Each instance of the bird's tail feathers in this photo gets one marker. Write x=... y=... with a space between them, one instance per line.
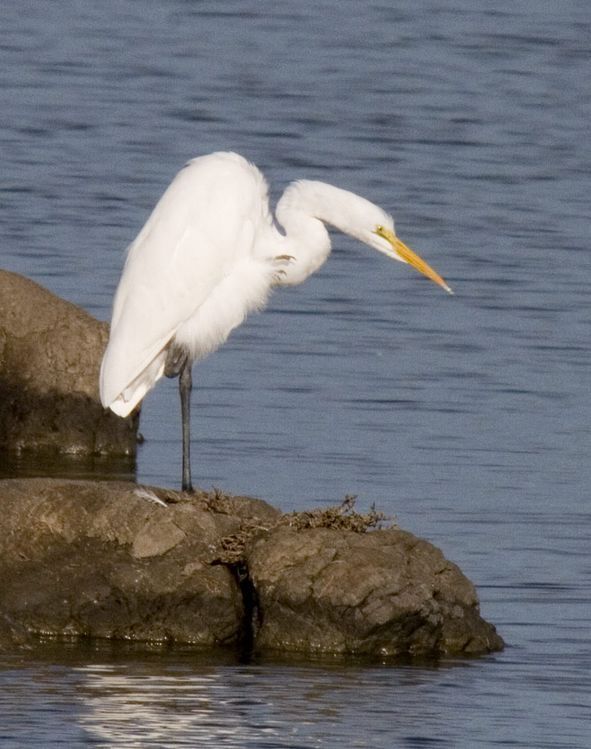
x=131 y=395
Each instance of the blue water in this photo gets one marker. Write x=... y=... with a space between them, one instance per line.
x=466 y=417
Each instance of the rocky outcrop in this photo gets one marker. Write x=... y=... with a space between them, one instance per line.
x=113 y=560
x=50 y=354
x=385 y=593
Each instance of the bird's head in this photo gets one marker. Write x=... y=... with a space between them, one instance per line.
x=351 y=214
x=383 y=238
x=375 y=227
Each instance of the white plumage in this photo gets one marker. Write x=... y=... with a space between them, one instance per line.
x=210 y=253
x=192 y=273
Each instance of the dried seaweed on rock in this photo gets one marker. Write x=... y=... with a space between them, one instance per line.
x=342 y=517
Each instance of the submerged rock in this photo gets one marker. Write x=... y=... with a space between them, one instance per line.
x=112 y=560
x=50 y=354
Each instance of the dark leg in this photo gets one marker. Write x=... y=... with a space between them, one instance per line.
x=185 y=386
x=178 y=364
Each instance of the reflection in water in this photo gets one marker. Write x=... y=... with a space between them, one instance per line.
x=187 y=701
x=30 y=464
x=108 y=696
x=152 y=709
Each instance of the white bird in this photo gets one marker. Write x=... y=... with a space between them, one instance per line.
x=209 y=254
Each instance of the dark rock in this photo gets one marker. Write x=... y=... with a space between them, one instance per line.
x=13 y=634
x=50 y=354
x=383 y=593
x=94 y=559
x=109 y=560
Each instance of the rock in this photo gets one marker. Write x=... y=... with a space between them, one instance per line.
x=50 y=354
x=13 y=634
x=385 y=593
x=94 y=559
x=113 y=560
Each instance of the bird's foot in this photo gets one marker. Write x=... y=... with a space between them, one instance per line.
x=280 y=262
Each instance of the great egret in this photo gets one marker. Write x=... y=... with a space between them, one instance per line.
x=208 y=255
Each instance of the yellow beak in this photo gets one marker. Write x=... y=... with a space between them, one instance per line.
x=411 y=257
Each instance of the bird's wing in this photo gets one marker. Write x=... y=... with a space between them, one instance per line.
x=153 y=299
x=189 y=243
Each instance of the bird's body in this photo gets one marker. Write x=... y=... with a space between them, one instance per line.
x=209 y=254
x=192 y=274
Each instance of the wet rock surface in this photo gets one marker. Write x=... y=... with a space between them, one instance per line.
x=50 y=354
x=113 y=560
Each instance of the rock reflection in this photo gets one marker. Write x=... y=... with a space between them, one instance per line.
x=78 y=467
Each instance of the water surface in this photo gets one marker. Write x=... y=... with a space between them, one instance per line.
x=466 y=417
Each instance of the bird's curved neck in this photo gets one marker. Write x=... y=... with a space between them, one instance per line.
x=302 y=211
x=306 y=239
x=316 y=200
